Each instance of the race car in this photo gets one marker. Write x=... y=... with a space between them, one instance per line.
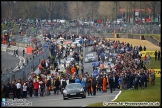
x=89 y=58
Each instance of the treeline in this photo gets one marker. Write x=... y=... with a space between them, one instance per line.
x=80 y=10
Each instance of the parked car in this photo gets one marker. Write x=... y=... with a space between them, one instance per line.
x=74 y=90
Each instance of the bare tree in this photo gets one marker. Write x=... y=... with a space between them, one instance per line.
x=106 y=9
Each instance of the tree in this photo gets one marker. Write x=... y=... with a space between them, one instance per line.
x=106 y=10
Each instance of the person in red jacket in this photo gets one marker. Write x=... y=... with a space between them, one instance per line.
x=36 y=87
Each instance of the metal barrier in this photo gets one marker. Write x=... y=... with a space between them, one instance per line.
x=153 y=40
x=25 y=71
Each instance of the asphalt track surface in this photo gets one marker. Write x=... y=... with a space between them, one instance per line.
x=9 y=61
x=57 y=100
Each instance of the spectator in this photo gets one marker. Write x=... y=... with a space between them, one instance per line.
x=24 y=90
x=159 y=54
x=156 y=54
x=31 y=87
x=145 y=59
x=36 y=87
x=149 y=59
x=144 y=48
x=57 y=85
x=18 y=89
x=120 y=82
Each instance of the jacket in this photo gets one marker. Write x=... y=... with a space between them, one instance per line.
x=77 y=80
x=36 y=85
x=120 y=81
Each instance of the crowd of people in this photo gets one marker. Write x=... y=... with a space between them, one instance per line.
x=128 y=72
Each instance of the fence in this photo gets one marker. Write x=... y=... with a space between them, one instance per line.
x=150 y=29
x=153 y=40
x=24 y=72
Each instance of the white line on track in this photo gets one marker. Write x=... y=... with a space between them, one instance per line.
x=116 y=96
x=62 y=98
x=20 y=57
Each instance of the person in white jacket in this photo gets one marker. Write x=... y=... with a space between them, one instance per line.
x=24 y=90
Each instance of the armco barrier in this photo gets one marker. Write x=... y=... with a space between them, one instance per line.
x=153 y=40
x=25 y=71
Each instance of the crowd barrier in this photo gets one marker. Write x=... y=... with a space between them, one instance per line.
x=25 y=71
x=153 y=40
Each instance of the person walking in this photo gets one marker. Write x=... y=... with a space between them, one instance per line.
x=88 y=86
x=82 y=69
x=23 y=52
x=14 y=53
x=17 y=53
x=94 y=83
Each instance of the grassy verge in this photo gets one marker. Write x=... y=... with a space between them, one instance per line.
x=150 y=94
x=155 y=64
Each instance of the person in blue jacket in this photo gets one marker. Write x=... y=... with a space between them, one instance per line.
x=83 y=82
x=95 y=73
x=120 y=82
x=77 y=80
x=94 y=65
x=142 y=80
x=97 y=64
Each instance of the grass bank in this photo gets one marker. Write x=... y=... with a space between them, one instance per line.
x=150 y=94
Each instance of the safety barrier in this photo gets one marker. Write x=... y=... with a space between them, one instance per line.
x=25 y=71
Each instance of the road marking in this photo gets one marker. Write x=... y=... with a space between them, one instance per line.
x=3 y=49
x=117 y=96
x=62 y=98
x=20 y=57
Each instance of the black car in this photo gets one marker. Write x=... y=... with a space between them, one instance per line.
x=74 y=90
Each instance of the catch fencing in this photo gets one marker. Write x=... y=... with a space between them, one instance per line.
x=25 y=71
